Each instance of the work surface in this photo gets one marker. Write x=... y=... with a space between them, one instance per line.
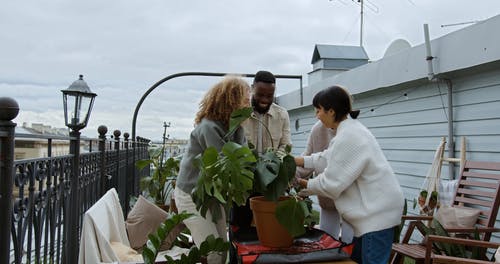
x=315 y=246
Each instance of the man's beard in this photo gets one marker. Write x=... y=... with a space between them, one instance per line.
x=258 y=108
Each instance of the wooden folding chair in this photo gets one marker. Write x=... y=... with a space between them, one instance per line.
x=478 y=187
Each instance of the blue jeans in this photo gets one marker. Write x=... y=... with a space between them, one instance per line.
x=374 y=247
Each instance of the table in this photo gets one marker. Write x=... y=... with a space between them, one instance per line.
x=315 y=246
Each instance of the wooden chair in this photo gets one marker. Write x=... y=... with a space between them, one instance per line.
x=478 y=187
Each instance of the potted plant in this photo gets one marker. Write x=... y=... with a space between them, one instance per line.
x=236 y=172
x=161 y=182
x=433 y=200
x=194 y=255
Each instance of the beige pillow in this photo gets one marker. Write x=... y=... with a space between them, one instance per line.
x=142 y=220
x=458 y=217
x=125 y=253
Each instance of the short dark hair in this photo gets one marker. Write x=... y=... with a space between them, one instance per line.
x=336 y=98
x=264 y=76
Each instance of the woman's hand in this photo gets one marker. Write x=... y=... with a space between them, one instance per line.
x=302 y=183
x=299 y=161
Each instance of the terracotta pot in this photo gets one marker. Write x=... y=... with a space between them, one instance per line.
x=270 y=232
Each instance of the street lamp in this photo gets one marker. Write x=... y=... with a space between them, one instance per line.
x=76 y=118
x=82 y=98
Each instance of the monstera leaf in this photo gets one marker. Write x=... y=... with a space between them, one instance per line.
x=237 y=117
x=225 y=177
x=291 y=214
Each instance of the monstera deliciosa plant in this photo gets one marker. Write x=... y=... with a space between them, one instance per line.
x=237 y=171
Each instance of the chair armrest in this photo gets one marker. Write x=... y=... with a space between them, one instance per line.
x=462 y=241
x=416 y=217
x=472 y=229
x=441 y=259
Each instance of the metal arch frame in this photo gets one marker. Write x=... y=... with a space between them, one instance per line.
x=210 y=74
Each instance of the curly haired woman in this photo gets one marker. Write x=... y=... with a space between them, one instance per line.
x=211 y=126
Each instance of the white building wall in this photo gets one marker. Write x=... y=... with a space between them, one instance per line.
x=409 y=128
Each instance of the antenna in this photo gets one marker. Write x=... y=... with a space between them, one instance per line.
x=460 y=23
x=362 y=3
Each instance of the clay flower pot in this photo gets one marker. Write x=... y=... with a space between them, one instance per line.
x=270 y=232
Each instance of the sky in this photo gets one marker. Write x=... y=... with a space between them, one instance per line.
x=124 y=47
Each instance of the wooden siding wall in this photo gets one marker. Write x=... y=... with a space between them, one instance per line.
x=409 y=128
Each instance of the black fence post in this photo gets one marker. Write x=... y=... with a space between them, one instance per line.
x=119 y=177
x=116 y=148
x=128 y=183
x=102 y=130
x=72 y=216
x=8 y=111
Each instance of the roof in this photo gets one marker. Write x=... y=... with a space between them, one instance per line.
x=470 y=49
x=322 y=51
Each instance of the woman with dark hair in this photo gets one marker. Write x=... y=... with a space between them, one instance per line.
x=357 y=177
x=211 y=126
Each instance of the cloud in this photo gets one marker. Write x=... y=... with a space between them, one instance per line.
x=124 y=47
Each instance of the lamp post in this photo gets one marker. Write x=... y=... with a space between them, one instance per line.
x=80 y=100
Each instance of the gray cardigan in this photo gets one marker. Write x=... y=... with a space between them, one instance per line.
x=206 y=134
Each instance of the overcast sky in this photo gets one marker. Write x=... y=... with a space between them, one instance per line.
x=123 y=47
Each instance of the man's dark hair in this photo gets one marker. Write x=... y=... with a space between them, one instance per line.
x=264 y=76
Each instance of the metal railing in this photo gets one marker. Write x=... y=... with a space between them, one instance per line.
x=34 y=193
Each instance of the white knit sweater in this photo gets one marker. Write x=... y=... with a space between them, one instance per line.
x=359 y=178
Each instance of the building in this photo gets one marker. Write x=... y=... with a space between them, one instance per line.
x=32 y=142
x=173 y=147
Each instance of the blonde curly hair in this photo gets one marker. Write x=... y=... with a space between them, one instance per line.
x=222 y=99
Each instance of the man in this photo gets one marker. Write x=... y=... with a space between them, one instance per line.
x=267 y=114
x=276 y=119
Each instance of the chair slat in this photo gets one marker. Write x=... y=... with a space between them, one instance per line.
x=483 y=175
x=471 y=201
x=491 y=185
x=475 y=192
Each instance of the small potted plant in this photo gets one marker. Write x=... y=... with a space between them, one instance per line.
x=237 y=172
x=161 y=182
x=433 y=200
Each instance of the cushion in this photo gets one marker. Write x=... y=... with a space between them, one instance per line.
x=458 y=217
x=144 y=218
x=126 y=253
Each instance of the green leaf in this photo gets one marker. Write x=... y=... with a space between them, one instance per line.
x=155 y=240
x=477 y=252
x=267 y=170
x=237 y=117
x=291 y=214
x=141 y=164
x=449 y=249
x=150 y=251
x=224 y=177
x=148 y=255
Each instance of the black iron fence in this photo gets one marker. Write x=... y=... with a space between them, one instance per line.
x=35 y=193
